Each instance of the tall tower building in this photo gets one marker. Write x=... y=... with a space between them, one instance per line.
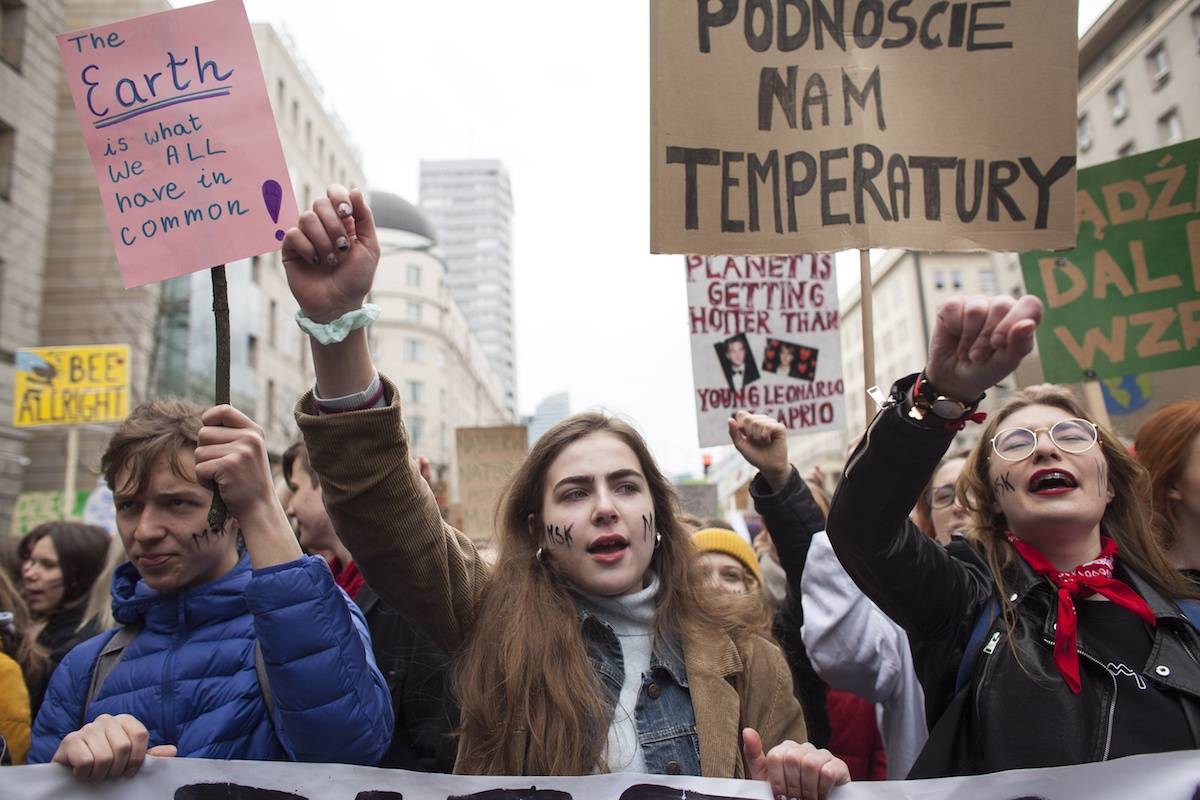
x=469 y=204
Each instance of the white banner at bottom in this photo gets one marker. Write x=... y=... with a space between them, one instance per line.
x=1162 y=776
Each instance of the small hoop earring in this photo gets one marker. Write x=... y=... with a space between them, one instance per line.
x=538 y=556
x=657 y=539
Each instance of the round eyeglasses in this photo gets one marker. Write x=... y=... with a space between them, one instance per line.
x=942 y=496
x=1069 y=435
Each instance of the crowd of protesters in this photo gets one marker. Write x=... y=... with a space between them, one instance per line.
x=1032 y=602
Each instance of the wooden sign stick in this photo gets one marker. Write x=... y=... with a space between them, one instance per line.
x=217 y=513
x=867 y=308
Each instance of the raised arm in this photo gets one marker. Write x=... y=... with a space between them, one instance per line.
x=381 y=509
x=975 y=344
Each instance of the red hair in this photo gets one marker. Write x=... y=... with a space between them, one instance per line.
x=1163 y=446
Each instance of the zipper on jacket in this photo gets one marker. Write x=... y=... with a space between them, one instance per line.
x=1112 y=707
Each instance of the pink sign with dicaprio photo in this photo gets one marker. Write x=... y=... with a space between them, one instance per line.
x=176 y=118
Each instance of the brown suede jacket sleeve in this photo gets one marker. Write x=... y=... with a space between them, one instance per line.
x=386 y=515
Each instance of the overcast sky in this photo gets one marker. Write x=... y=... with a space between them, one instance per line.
x=559 y=91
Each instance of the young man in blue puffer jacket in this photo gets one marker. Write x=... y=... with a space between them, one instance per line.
x=187 y=683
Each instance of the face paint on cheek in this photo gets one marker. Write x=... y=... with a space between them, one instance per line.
x=647 y=526
x=207 y=536
x=560 y=535
x=1101 y=480
x=1002 y=486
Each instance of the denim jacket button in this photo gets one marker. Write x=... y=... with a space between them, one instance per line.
x=672 y=767
x=654 y=692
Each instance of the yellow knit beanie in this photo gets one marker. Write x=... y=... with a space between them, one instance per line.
x=731 y=543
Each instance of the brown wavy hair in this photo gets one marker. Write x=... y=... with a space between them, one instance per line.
x=1126 y=518
x=20 y=644
x=1163 y=445
x=531 y=701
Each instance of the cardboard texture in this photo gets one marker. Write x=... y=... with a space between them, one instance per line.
x=1126 y=300
x=783 y=127
x=765 y=338
x=178 y=124
x=487 y=458
x=71 y=385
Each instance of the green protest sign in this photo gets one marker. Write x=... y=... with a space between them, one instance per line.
x=1126 y=300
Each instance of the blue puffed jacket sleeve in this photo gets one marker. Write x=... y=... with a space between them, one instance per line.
x=63 y=705
x=331 y=702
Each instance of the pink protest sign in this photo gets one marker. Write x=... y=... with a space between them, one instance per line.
x=175 y=115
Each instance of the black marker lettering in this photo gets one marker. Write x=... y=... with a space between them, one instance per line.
x=1003 y=485
x=647 y=526
x=207 y=536
x=559 y=535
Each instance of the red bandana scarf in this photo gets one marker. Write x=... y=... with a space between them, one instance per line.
x=1087 y=579
x=347 y=577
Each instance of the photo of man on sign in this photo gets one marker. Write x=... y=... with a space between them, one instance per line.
x=737 y=362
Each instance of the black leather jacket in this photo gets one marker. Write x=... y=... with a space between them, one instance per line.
x=1016 y=712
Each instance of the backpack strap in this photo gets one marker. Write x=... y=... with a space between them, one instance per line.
x=105 y=663
x=983 y=622
x=114 y=650
x=264 y=683
x=1191 y=610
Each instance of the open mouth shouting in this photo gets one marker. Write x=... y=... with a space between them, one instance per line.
x=608 y=549
x=1050 y=482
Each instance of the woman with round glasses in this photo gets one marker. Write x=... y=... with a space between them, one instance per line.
x=1055 y=635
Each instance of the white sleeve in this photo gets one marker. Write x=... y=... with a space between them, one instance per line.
x=852 y=644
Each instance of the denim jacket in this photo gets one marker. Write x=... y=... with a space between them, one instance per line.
x=666 y=722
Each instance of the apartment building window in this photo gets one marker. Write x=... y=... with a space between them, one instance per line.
x=1118 y=101
x=272 y=311
x=956 y=279
x=987 y=281
x=416 y=430
x=1170 y=127
x=414 y=312
x=270 y=404
x=307 y=197
x=255 y=269
x=414 y=276
x=252 y=351
x=414 y=350
x=415 y=391
x=12 y=32
x=1159 y=65
x=8 y=158
x=1126 y=149
x=939 y=279
x=1085 y=134
x=279 y=93
x=308 y=133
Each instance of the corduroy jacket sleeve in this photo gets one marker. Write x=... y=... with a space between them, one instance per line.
x=386 y=515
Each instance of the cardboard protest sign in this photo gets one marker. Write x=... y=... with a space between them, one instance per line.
x=698 y=499
x=71 y=385
x=487 y=458
x=765 y=338
x=1163 y=776
x=783 y=126
x=176 y=119
x=34 y=508
x=1126 y=300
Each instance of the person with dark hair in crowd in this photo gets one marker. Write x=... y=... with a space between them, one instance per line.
x=416 y=669
x=610 y=653
x=222 y=653
x=60 y=563
x=1057 y=632
x=1168 y=445
x=792 y=513
x=24 y=667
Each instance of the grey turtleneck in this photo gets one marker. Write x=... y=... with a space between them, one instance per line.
x=631 y=618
